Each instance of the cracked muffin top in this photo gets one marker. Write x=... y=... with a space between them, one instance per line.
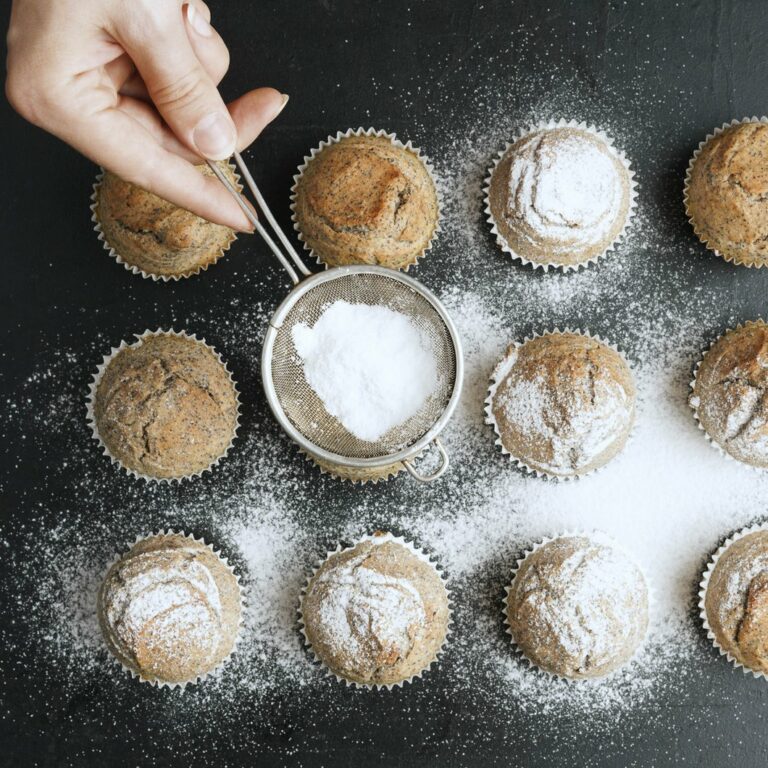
x=364 y=200
x=166 y=407
x=577 y=607
x=727 y=194
x=155 y=236
x=736 y=600
x=562 y=404
x=729 y=393
x=377 y=613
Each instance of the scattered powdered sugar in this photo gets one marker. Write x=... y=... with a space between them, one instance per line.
x=370 y=365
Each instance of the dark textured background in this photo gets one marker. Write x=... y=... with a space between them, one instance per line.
x=678 y=69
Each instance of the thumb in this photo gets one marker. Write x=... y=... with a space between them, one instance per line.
x=179 y=86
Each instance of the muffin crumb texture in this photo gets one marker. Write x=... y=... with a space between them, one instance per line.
x=577 y=607
x=376 y=614
x=729 y=393
x=365 y=200
x=563 y=404
x=166 y=407
x=727 y=194
x=170 y=609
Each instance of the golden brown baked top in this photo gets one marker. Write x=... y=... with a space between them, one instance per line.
x=376 y=613
x=728 y=193
x=166 y=407
x=577 y=607
x=562 y=404
x=154 y=235
x=736 y=600
x=729 y=393
x=169 y=609
x=364 y=200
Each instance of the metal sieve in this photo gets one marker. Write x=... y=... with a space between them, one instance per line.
x=297 y=407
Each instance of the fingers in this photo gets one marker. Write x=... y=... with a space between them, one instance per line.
x=210 y=49
x=253 y=111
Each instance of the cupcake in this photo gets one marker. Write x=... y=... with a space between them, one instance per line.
x=577 y=607
x=170 y=609
x=728 y=393
x=562 y=404
x=165 y=408
x=560 y=196
x=153 y=237
x=734 y=599
x=365 y=198
x=726 y=192
x=376 y=614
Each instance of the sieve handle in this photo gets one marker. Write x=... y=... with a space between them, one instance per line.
x=444 y=462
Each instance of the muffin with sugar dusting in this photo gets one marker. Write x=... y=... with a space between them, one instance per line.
x=562 y=404
x=577 y=607
x=376 y=614
x=560 y=196
x=729 y=393
x=170 y=609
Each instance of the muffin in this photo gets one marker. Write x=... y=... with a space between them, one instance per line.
x=170 y=609
x=729 y=393
x=577 y=607
x=364 y=198
x=734 y=599
x=165 y=407
x=559 y=196
x=726 y=193
x=154 y=237
x=562 y=404
x=376 y=614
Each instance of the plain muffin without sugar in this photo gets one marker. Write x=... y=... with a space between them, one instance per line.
x=365 y=200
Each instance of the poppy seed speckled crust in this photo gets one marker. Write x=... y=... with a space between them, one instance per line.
x=727 y=193
x=154 y=236
x=170 y=609
x=376 y=614
x=729 y=393
x=166 y=407
x=365 y=200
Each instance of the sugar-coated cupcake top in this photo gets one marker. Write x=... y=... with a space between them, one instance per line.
x=577 y=607
x=560 y=196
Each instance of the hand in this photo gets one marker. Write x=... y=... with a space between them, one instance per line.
x=132 y=85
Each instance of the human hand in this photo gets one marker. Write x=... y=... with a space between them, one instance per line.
x=132 y=85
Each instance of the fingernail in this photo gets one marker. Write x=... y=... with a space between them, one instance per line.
x=198 y=22
x=215 y=136
x=282 y=104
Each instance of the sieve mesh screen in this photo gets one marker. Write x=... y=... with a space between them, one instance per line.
x=303 y=407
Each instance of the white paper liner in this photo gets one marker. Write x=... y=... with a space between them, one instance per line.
x=156 y=683
x=397 y=143
x=597 y=537
x=693 y=400
x=688 y=171
x=132 y=267
x=379 y=537
x=497 y=378
x=355 y=476
x=93 y=386
x=704 y=585
x=548 y=126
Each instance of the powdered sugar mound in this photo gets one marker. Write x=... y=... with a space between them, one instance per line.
x=370 y=365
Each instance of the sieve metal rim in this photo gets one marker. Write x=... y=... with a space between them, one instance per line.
x=335 y=273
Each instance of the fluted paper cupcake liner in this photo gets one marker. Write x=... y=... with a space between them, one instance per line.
x=686 y=187
x=138 y=270
x=378 y=538
x=154 y=682
x=94 y=385
x=356 y=475
x=548 y=126
x=408 y=146
x=498 y=376
x=704 y=585
x=599 y=538
x=694 y=402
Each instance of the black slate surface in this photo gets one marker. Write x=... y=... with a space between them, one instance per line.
x=661 y=74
